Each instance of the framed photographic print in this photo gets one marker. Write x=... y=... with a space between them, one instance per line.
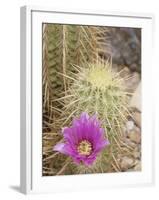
x=86 y=100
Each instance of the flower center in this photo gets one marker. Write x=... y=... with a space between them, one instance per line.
x=84 y=148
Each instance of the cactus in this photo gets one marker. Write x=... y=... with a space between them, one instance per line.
x=64 y=46
x=95 y=88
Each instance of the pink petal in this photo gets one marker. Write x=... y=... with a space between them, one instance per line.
x=60 y=147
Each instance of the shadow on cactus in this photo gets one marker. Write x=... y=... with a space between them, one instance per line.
x=95 y=89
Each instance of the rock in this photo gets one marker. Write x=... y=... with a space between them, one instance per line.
x=126 y=47
x=129 y=125
x=137 y=118
x=132 y=82
x=137 y=154
x=138 y=166
x=135 y=136
x=126 y=163
x=135 y=101
x=133 y=67
x=138 y=148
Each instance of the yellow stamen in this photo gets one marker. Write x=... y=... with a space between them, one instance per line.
x=84 y=148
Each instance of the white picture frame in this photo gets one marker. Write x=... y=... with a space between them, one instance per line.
x=31 y=127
